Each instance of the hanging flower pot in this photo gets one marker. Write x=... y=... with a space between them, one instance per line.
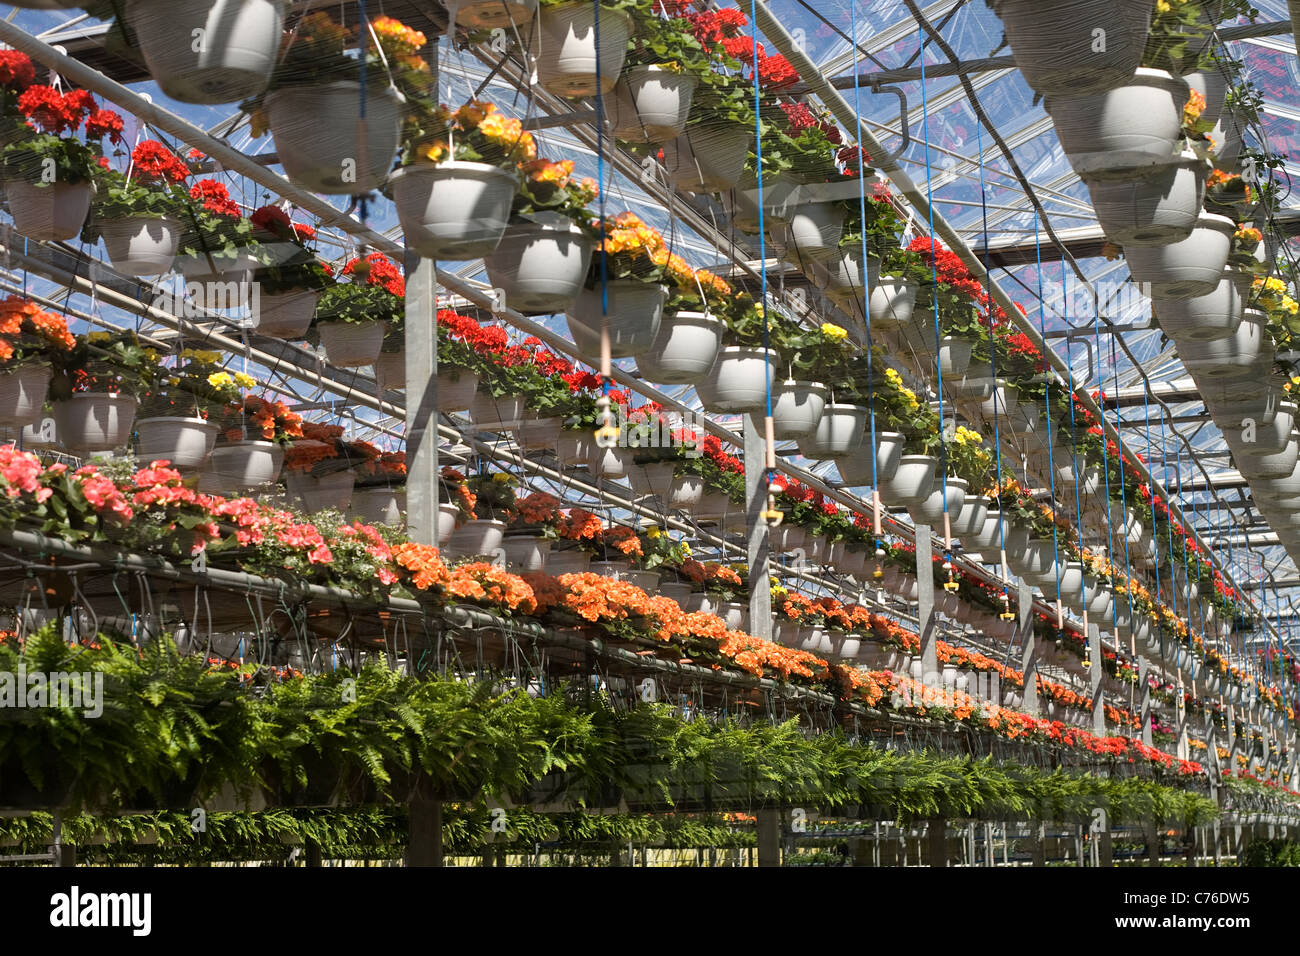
x=535 y=434
x=714 y=505
x=977 y=383
x=930 y=510
x=94 y=421
x=22 y=395
x=141 y=246
x=491 y=14
x=1228 y=133
x=1157 y=209
x=811 y=233
x=568 y=561
x=1139 y=124
x=684 y=494
x=707 y=159
x=52 y=212
x=456 y=389
x=1256 y=438
x=786 y=537
x=797 y=407
x=565 y=49
x=739 y=380
x=1234 y=356
x=683 y=350
x=866 y=465
x=185 y=442
x=1214 y=315
x=455 y=210
x=390 y=370
x=1068 y=473
x=540 y=264
x=650 y=104
x=974 y=512
x=652 y=478
x=208 y=51
x=1101 y=603
x=839 y=432
x=954 y=356
x=1002 y=401
x=244 y=465
x=1275 y=465
x=845 y=287
x=380 y=504
x=1192 y=267
x=633 y=310
x=987 y=537
x=911 y=482
x=504 y=413
x=1213 y=85
x=525 y=552
x=352 y=344
x=317 y=493
x=573 y=447
x=323 y=142
x=285 y=315
x=1056 y=47
x=448 y=518
x=891 y=301
x=480 y=536
x=611 y=463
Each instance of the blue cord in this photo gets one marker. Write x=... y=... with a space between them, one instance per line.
x=758 y=153
x=1051 y=464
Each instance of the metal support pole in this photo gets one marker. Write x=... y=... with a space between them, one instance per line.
x=925 y=617
x=1095 y=672
x=936 y=835
x=1028 y=653
x=769 y=837
x=1144 y=669
x=421 y=401
x=760 y=594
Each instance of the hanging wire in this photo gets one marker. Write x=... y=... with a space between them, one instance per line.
x=1051 y=464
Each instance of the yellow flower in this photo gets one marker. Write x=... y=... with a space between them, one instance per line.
x=434 y=152
x=244 y=380
x=202 y=356
x=501 y=478
x=220 y=379
x=652 y=532
x=834 y=332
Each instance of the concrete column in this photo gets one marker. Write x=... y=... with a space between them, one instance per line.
x=925 y=616
x=936 y=838
x=1095 y=673
x=1144 y=668
x=425 y=846
x=769 y=837
x=1029 y=654
x=760 y=596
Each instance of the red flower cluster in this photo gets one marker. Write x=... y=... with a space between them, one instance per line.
x=16 y=70
x=154 y=162
x=711 y=447
x=50 y=111
x=378 y=269
x=215 y=198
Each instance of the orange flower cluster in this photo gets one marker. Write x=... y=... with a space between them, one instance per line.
x=481 y=581
x=270 y=421
x=623 y=540
x=757 y=656
x=539 y=508
x=579 y=525
x=423 y=561
x=894 y=634
x=23 y=325
x=303 y=456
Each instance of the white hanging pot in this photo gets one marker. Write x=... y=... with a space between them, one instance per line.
x=612 y=463
x=481 y=536
x=244 y=465
x=1101 y=603
x=491 y=14
x=650 y=104
x=352 y=344
x=51 y=212
x=390 y=370
x=974 y=512
x=573 y=447
x=707 y=159
x=1002 y=401
x=954 y=356
x=812 y=232
x=891 y=302
x=141 y=246
x=1155 y=210
x=976 y=384
x=568 y=561
x=703 y=602
x=500 y=414
x=185 y=442
x=285 y=315
x=679 y=591
x=448 y=518
x=1275 y=465
x=456 y=389
x=1262 y=439
x=797 y=408
x=987 y=536
x=315 y=493
x=857 y=468
x=685 y=493
x=839 y=432
x=1071 y=585
x=1111 y=133
x=535 y=434
x=911 y=482
x=455 y=210
x=1228 y=133
x=846 y=272
x=525 y=552
x=565 y=48
x=1214 y=315
x=208 y=51
x=1237 y=355
x=22 y=395
x=1055 y=43
x=633 y=310
x=1213 y=85
x=786 y=537
x=684 y=349
x=653 y=478
x=930 y=510
x=1188 y=268
x=379 y=504
x=739 y=380
x=714 y=505
x=540 y=264
x=325 y=145
x=94 y=421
